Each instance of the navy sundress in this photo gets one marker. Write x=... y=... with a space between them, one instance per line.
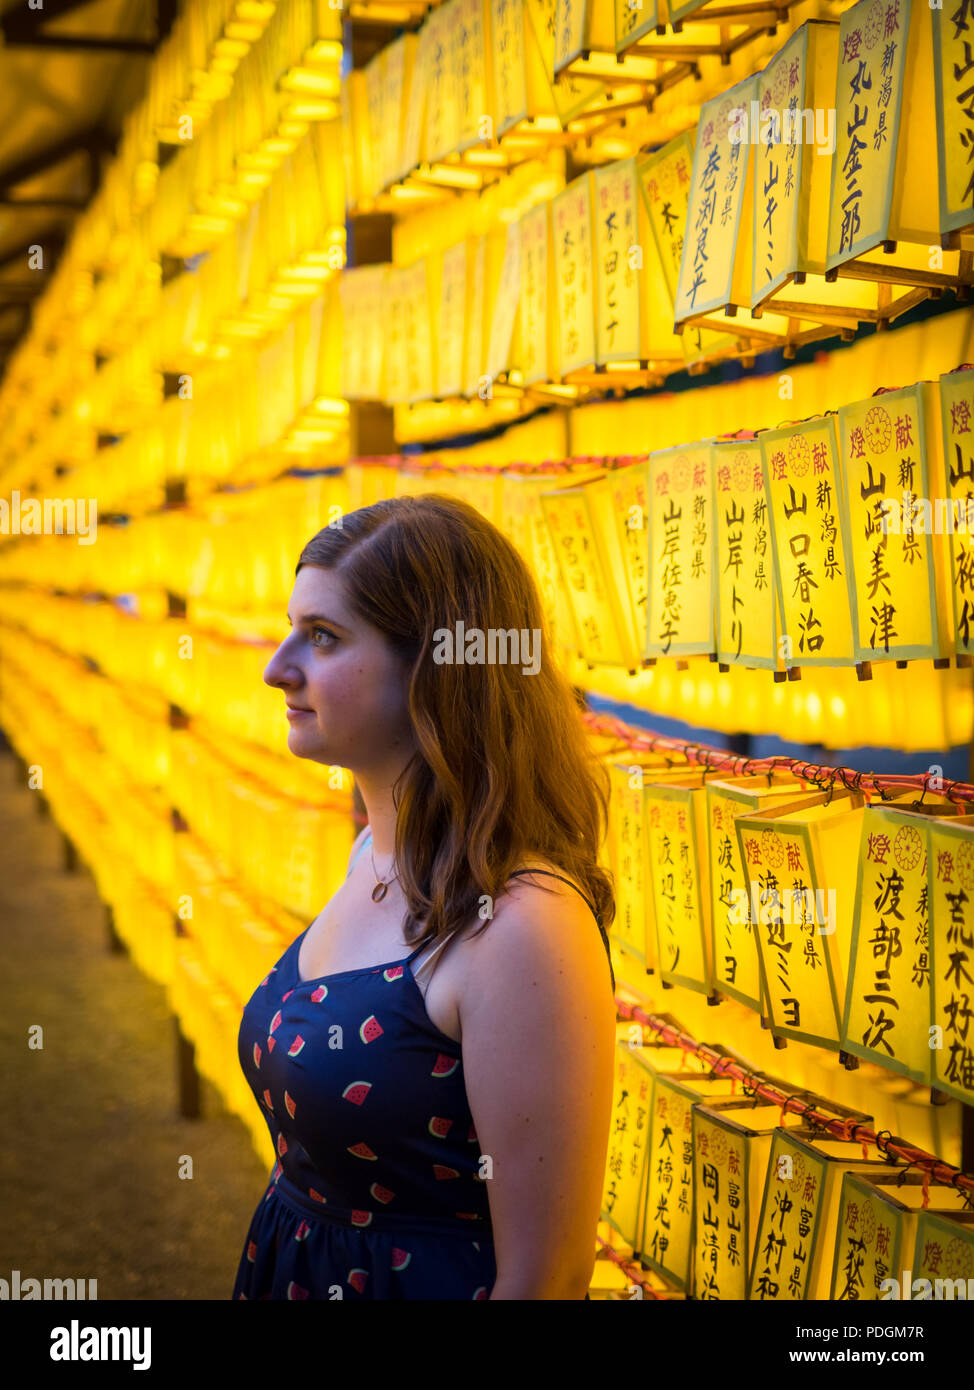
x=376 y=1192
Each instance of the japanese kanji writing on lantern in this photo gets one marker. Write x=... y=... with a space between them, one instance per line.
x=505 y=301
x=953 y=67
x=681 y=540
x=957 y=405
x=571 y=214
x=442 y=104
x=628 y=491
x=580 y=562
x=951 y=884
x=571 y=30
x=778 y=168
x=809 y=526
x=625 y=1161
x=507 y=28
x=634 y=926
x=799 y=861
x=450 y=320
x=737 y=970
x=570 y=94
x=467 y=58
x=868 y=1241
x=890 y=452
x=535 y=326
x=719 y=186
x=669 y=1186
x=789 y=1242
x=676 y=829
x=632 y=20
x=547 y=566
x=664 y=180
x=869 y=84
x=944 y=1252
x=723 y=1178
x=747 y=625
x=619 y=311
x=887 y=1007
x=384 y=77
x=621 y=557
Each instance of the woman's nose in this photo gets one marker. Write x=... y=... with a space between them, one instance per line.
x=275 y=672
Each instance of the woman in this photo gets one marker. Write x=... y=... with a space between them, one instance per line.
x=434 y=1053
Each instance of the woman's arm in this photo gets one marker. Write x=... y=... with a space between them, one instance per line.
x=538 y=1026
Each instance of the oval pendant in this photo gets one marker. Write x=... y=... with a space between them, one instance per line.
x=379 y=892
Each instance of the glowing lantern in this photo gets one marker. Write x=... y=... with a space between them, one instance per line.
x=943 y=1254
x=504 y=293
x=809 y=525
x=883 y=211
x=680 y=611
x=664 y=178
x=569 y=94
x=876 y=1229
x=536 y=333
x=887 y=1005
x=796 y=860
x=676 y=830
x=953 y=132
x=891 y=450
x=734 y=948
x=625 y=1160
x=795 y=1241
x=730 y=1161
x=957 y=404
x=747 y=612
x=951 y=887
x=591 y=572
x=571 y=215
x=634 y=927
x=792 y=186
x=665 y=1240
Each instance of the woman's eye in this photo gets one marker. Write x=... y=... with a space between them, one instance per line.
x=323 y=631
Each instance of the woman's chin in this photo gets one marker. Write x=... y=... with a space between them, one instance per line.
x=308 y=740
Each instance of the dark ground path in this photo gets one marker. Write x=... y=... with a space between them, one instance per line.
x=90 y=1135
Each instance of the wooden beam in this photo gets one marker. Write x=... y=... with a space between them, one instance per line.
x=76 y=142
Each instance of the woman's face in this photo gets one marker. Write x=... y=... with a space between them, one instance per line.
x=341 y=672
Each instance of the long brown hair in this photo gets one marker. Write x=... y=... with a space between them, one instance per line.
x=504 y=767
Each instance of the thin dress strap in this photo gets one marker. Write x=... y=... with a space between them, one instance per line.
x=363 y=846
x=597 y=915
x=422 y=946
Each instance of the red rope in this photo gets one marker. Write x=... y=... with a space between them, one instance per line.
x=846 y=1129
x=632 y=1273
x=720 y=760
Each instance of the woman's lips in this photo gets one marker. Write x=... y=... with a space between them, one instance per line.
x=294 y=712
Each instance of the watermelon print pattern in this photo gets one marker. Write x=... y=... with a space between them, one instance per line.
x=375 y=1193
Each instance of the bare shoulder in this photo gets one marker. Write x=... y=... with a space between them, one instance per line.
x=542 y=935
